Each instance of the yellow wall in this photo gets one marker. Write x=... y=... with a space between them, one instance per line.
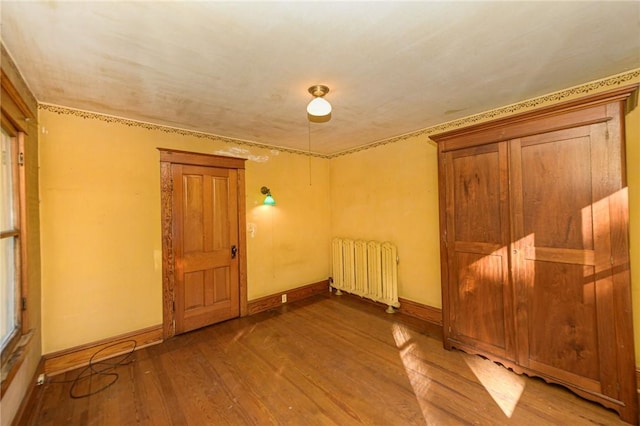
x=633 y=181
x=101 y=241
x=390 y=193
x=290 y=246
x=101 y=208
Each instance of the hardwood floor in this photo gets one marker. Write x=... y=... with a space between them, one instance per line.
x=320 y=361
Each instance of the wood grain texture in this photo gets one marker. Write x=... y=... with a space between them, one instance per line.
x=168 y=256
x=421 y=311
x=479 y=293
x=11 y=74
x=242 y=240
x=17 y=121
x=172 y=162
x=200 y=159
x=69 y=359
x=24 y=236
x=320 y=361
x=205 y=228
x=13 y=108
x=555 y=212
x=556 y=117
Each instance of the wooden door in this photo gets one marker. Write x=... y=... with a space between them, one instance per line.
x=205 y=219
x=569 y=251
x=478 y=297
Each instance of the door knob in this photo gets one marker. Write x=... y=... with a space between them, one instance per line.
x=234 y=251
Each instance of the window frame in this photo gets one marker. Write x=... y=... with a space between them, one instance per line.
x=11 y=355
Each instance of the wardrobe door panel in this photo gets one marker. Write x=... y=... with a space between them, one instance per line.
x=479 y=292
x=478 y=300
x=561 y=238
x=476 y=195
x=563 y=305
x=556 y=185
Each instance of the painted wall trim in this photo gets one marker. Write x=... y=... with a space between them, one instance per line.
x=566 y=94
x=418 y=310
x=299 y=293
x=62 y=110
x=79 y=356
x=595 y=86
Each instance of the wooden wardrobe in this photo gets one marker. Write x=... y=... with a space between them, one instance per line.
x=535 y=250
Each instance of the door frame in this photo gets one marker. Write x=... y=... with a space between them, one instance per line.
x=168 y=157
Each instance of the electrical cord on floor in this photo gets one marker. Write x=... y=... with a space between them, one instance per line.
x=105 y=370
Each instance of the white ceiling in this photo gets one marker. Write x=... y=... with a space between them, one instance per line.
x=242 y=69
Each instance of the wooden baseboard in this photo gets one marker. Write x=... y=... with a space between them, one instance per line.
x=408 y=307
x=275 y=300
x=30 y=399
x=423 y=312
x=70 y=359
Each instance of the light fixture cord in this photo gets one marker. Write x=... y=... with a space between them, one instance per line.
x=273 y=261
x=309 y=133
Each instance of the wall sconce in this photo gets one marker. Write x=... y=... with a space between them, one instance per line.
x=268 y=200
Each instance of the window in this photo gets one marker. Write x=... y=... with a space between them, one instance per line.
x=17 y=122
x=10 y=287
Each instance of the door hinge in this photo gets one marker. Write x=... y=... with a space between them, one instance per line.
x=173 y=305
x=446 y=243
x=21 y=159
x=23 y=303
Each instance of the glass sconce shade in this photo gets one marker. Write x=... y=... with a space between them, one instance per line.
x=268 y=200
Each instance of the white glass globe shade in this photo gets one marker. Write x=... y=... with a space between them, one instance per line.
x=319 y=107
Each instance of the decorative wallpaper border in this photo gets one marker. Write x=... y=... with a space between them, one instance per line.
x=60 y=110
x=581 y=90
x=584 y=89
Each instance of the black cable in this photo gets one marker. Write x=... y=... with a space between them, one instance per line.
x=90 y=370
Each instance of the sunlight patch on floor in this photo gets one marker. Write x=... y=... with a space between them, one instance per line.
x=413 y=366
x=504 y=386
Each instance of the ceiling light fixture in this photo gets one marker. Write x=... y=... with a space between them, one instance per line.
x=319 y=106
